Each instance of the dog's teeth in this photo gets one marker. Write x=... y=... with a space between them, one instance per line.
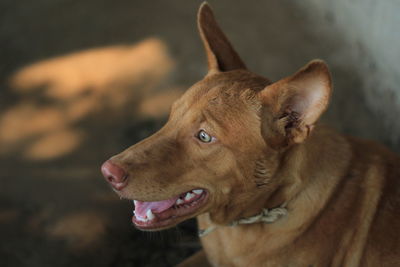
x=142 y=219
x=198 y=191
x=150 y=215
x=179 y=201
x=189 y=196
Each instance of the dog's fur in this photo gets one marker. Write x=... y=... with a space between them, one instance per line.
x=341 y=193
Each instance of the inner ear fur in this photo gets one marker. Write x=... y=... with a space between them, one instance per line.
x=221 y=56
x=292 y=105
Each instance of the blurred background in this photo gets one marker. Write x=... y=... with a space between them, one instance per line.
x=82 y=80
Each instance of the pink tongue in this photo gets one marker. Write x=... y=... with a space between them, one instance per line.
x=156 y=207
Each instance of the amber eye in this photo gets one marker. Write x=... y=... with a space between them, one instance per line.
x=204 y=137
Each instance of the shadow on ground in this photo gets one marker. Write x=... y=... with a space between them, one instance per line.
x=82 y=80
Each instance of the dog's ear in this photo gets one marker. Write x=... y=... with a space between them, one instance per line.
x=292 y=105
x=220 y=54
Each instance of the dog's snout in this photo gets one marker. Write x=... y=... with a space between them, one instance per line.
x=114 y=174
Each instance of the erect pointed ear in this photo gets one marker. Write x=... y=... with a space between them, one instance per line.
x=220 y=54
x=292 y=105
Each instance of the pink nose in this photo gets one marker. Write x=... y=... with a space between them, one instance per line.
x=114 y=174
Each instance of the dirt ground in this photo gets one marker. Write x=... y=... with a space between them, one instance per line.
x=82 y=80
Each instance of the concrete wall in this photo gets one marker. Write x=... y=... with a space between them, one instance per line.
x=371 y=30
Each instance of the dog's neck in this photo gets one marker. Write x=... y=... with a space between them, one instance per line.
x=305 y=167
x=312 y=174
x=266 y=216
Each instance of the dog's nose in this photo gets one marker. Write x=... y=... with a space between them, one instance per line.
x=114 y=174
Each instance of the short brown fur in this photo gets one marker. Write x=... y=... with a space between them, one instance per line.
x=342 y=193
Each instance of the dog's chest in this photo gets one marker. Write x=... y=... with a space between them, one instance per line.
x=231 y=247
x=243 y=246
x=255 y=245
x=250 y=251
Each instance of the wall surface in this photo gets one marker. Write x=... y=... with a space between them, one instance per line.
x=371 y=30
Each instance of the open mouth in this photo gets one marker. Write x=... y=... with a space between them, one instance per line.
x=160 y=214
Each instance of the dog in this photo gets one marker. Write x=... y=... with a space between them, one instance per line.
x=269 y=187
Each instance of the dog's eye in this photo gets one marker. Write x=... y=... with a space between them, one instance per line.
x=204 y=137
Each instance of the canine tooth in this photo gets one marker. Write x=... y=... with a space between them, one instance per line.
x=189 y=196
x=142 y=219
x=179 y=201
x=198 y=191
x=150 y=215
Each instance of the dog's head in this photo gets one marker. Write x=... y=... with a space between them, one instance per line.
x=224 y=142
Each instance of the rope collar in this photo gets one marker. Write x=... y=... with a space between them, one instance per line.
x=266 y=216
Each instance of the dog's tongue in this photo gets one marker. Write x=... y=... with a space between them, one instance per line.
x=158 y=206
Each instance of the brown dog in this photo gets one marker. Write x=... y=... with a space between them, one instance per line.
x=268 y=188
